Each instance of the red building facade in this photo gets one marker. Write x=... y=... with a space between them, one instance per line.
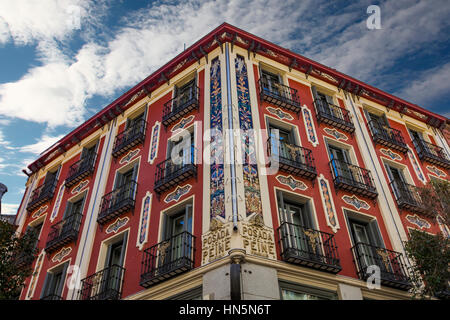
x=235 y=162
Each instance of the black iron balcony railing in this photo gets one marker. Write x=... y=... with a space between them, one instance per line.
x=291 y=158
x=333 y=115
x=80 y=170
x=63 y=232
x=279 y=95
x=170 y=173
x=117 y=202
x=167 y=259
x=308 y=247
x=408 y=197
x=129 y=138
x=181 y=105
x=52 y=297
x=393 y=272
x=354 y=179
x=41 y=195
x=431 y=153
x=103 y=285
x=387 y=136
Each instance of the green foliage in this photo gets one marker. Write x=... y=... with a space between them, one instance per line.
x=16 y=255
x=430 y=254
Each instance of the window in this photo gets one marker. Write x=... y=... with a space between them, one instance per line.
x=366 y=238
x=340 y=161
x=291 y=291
x=184 y=93
x=177 y=234
x=271 y=80
x=114 y=263
x=186 y=147
x=88 y=155
x=323 y=101
x=397 y=180
x=54 y=283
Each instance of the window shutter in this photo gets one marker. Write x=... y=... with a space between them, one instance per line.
x=281 y=207
x=375 y=234
x=124 y=247
x=47 y=281
x=314 y=92
x=60 y=288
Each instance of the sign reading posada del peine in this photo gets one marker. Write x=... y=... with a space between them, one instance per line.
x=217 y=242
x=257 y=238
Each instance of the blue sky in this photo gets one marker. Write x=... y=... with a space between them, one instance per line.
x=61 y=61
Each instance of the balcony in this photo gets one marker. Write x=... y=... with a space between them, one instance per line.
x=181 y=105
x=392 y=266
x=431 y=153
x=388 y=137
x=292 y=159
x=353 y=179
x=103 y=285
x=117 y=202
x=333 y=115
x=63 y=232
x=308 y=247
x=170 y=174
x=52 y=297
x=41 y=195
x=80 y=170
x=408 y=198
x=129 y=138
x=167 y=259
x=279 y=95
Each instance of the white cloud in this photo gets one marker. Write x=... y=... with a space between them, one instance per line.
x=43 y=144
x=25 y=21
x=428 y=86
x=60 y=88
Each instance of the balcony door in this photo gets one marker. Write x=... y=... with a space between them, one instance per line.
x=340 y=159
x=112 y=276
x=87 y=157
x=183 y=94
x=368 y=242
x=397 y=181
x=324 y=102
x=177 y=241
x=377 y=123
x=72 y=216
x=284 y=146
x=50 y=181
x=134 y=126
x=125 y=185
x=54 y=283
x=185 y=154
x=271 y=83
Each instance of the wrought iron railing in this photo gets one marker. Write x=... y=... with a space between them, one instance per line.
x=431 y=153
x=103 y=285
x=80 y=169
x=279 y=95
x=392 y=267
x=308 y=247
x=292 y=158
x=130 y=137
x=52 y=297
x=349 y=177
x=42 y=194
x=387 y=136
x=182 y=104
x=408 y=197
x=168 y=259
x=118 y=201
x=63 y=232
x=170 y=173
x=333 y=115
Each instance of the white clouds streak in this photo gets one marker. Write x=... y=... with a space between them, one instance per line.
x=57 y=92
